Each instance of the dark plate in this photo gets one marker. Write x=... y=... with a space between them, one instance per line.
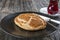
x=7 y=24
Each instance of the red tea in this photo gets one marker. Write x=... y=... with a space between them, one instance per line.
x=53 y=7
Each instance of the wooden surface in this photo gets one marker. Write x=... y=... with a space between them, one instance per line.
x=10 y=6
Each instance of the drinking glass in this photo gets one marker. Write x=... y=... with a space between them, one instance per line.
x=52 y=8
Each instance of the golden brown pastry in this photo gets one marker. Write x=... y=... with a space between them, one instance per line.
x=30 y=21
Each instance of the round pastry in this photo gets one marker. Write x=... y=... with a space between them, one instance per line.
x=30 y=21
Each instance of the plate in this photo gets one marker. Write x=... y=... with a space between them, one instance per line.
x=9 y=27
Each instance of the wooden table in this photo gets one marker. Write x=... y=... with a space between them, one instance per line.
x=10 y=6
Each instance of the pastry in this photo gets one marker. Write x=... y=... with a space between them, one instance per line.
x=30 y=21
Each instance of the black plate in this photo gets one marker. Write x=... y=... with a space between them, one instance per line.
x=7 y=24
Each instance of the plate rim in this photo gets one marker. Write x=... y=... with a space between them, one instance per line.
x=17 y=35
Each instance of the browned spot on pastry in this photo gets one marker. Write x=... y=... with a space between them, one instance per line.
x=25 y=17
x=35 y=22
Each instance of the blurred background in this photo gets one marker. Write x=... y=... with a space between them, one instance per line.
x=11 y=6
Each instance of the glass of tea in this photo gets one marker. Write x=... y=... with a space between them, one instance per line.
x=53 y=7
x=50 y=7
